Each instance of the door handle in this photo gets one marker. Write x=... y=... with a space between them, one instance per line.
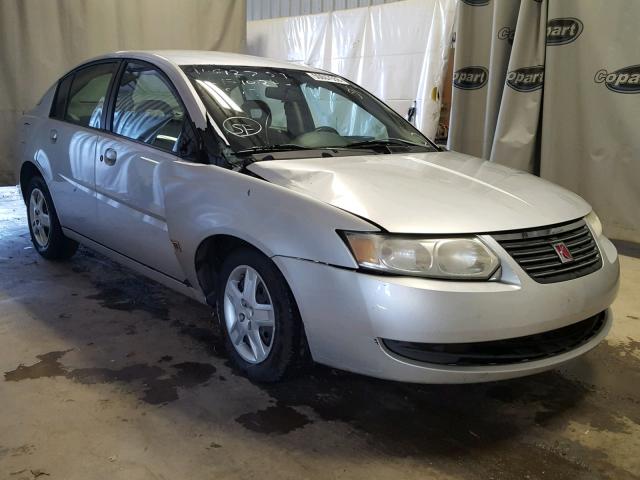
x=110 y=156
x=53 y=136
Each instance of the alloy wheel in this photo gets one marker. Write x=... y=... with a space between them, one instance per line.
x=249 y=314
x=39 y=218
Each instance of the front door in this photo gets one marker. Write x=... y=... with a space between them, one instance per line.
x=148 y=121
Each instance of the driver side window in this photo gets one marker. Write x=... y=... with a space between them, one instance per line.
x=146 y=109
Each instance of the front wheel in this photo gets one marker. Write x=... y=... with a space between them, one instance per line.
x=263 y=331
x=44 y=226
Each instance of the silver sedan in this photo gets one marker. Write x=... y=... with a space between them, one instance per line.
x=318 y=222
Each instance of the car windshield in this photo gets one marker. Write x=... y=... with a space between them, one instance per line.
x=273 y=109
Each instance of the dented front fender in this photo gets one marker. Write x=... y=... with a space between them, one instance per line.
x=206 y=200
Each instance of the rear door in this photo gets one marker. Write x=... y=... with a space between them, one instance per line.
x=70 y=143
x=147 y=127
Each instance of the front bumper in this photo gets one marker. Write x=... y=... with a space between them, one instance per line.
x=346 y=313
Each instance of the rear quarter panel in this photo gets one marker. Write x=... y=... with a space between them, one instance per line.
x=32 y=128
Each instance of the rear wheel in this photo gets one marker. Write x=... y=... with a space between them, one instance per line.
x=263 y=331
x=44 y=226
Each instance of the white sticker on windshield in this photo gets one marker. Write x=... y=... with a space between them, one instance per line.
x=323 y=77
x=242 y=126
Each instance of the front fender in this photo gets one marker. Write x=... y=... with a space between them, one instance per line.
x=205 y=200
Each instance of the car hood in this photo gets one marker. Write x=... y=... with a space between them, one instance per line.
x=439 y=192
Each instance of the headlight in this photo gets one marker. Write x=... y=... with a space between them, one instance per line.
x=449 y=258
x=595 y=224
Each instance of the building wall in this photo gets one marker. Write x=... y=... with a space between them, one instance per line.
x=40 y=40
x=262 y=9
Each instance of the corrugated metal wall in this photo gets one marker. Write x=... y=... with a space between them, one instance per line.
x=261 y=9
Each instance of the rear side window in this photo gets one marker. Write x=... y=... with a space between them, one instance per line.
x=60 y=102
x=147 y=110
x=87 y=95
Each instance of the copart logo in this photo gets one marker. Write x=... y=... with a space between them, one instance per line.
x=561 y=31
x=507 y=33
x=476 y=3
x=470 y=78
x=624 y=80
x=526 y=79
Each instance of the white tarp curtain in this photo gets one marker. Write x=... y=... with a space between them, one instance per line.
x=497 y=79
x=590 y=137
x=397 y=51
x=550 y=89
x=42 y=39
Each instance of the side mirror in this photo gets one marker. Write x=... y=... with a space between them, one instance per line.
x=190 y=146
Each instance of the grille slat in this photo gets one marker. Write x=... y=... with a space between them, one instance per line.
x=587 y=248
x=534 y=251
x=542 y=266
x=577 y=243
x=525 y=261
x=563 y=270
x=545 y=239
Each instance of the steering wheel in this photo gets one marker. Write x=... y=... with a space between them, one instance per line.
x=326 y=128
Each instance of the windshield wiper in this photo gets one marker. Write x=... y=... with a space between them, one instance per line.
x=390 y=142
x=250 y=155
x=284 y=147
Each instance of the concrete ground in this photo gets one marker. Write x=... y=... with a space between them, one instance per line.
x=109 y=376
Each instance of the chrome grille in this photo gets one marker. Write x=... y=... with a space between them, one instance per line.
x=535 y=253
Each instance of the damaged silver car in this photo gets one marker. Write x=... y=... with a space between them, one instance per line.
x=319 y=223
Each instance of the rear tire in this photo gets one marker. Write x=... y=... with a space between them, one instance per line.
x=263 y=332
x=44 y=226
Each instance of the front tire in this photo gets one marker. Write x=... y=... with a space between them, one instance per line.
x=264 y=336
x=44 y=226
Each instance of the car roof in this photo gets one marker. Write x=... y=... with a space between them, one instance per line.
x=205 y=57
